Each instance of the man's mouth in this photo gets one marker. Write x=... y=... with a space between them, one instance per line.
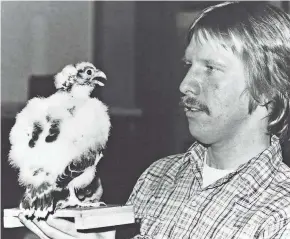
x=191 y=109
x=192 y=105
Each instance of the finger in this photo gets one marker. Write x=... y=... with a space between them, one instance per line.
x=51 y=232
x=62 y=225
x=31 y=226
x=108 y=235
x=99 y=235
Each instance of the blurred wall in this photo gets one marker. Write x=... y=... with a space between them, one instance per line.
x=40 y=38
x=115 y=32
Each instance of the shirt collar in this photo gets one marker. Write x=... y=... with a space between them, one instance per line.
x=253 y=174
x=195 y=157
x=257 y=174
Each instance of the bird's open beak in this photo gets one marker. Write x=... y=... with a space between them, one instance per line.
x=99 y=78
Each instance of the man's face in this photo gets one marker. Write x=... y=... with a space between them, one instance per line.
x=214 y=89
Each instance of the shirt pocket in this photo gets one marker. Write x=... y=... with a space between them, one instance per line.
x=246 y=222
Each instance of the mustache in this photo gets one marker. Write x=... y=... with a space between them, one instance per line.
x=190 y=102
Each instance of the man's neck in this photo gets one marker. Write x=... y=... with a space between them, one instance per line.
x=232 y=153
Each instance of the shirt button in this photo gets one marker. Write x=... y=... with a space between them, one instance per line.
x=194 y=204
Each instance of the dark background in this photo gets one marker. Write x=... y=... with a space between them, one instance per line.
x=151 y=125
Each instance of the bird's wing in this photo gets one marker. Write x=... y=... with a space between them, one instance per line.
x=76 y=168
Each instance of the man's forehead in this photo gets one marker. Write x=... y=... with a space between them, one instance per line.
x=229 y=42
x=208 y=47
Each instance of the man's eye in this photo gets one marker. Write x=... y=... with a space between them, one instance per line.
x=210 y=68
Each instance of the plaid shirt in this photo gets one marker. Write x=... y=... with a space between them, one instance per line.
x=252 y=202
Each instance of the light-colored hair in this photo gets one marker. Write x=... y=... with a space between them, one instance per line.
x=259 y=34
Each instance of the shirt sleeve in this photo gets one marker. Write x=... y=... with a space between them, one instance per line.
x=139 y=188
x=277 y=228
x=277 y=231
x=150 y=177
x=134 y=199
x=284 y=232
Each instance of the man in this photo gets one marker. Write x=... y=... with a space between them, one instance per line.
x=232 y=182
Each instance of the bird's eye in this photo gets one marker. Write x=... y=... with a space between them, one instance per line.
x=89 y=72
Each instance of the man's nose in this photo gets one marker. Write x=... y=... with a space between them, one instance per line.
x=190 y=84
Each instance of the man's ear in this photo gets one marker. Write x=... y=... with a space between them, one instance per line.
x=266 y=104
x=266 y=100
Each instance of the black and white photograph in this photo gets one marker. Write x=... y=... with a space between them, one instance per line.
x=145 y=119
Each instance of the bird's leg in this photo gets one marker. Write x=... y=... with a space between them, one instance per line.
x=38 y=201
x=73 y=201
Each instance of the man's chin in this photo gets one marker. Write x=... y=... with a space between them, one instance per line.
x=203 y=137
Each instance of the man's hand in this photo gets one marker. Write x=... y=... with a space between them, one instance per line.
x=55 y=228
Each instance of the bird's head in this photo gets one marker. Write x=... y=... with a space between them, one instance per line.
x=88 y=74
x=80 y=74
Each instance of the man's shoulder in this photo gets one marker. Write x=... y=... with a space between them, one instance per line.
x=278 y=199
x=279 y=188
x=162 y=171
x=158 y=177
x=161 y=166
x=282 y=179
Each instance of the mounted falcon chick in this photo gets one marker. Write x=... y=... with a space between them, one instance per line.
x=57 y=141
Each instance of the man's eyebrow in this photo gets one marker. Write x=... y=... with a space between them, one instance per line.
x=212 y=61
